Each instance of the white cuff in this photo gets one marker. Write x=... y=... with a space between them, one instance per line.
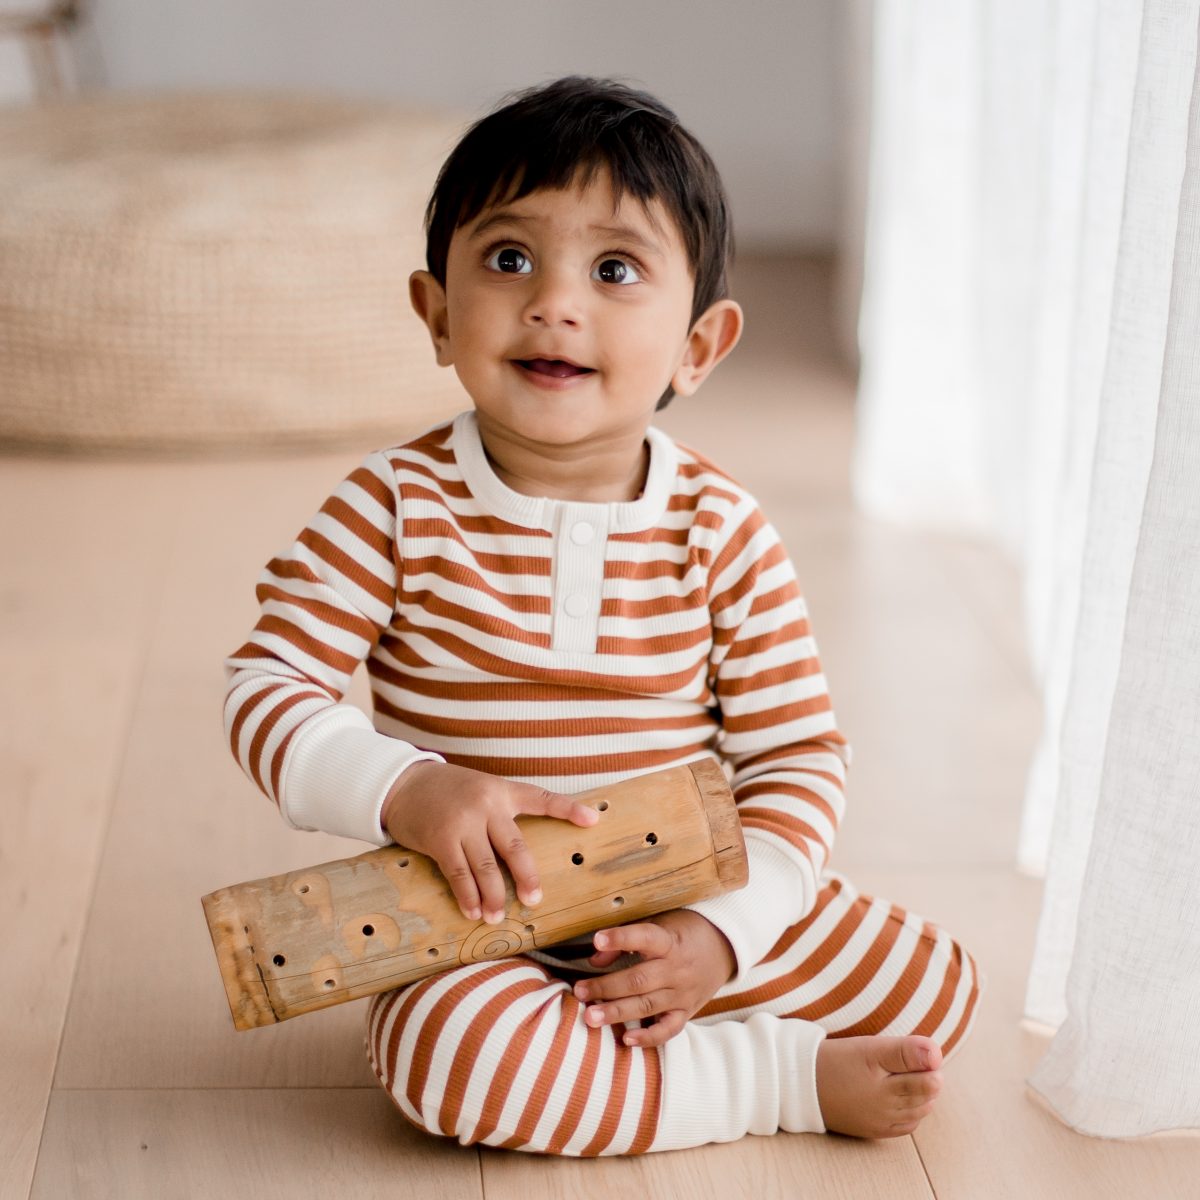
x=778 y=893
x=337 y=773
x=723 y=1081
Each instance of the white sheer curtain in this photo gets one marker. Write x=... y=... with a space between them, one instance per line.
x=1030 y=342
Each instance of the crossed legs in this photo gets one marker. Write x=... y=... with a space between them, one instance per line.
x=498 y=1052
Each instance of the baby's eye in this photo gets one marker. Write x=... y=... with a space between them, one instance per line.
x=616 y=270
x=510 y=260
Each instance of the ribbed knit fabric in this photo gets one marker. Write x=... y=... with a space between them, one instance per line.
x=572 y=645
x=724 y=1081
x=564 y=644
x=710 y=1083
x=499 y=1053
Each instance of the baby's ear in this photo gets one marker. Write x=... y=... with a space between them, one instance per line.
x=428 y=299
x=712 y=337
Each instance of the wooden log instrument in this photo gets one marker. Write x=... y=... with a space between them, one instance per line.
x=309 y=939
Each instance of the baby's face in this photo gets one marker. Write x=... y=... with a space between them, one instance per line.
x=564 y=321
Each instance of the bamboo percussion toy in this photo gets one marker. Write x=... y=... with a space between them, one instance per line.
x=312 y=938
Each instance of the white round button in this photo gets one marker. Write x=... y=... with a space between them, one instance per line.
x=575 y=605
x=582 y=533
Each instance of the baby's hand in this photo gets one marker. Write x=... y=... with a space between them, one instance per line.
x=464 y=819
x=685 y=961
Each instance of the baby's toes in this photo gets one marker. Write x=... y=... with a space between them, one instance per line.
x=916 y=1114
x=922 y=1105
x=912 y=1112
x=921 y=1085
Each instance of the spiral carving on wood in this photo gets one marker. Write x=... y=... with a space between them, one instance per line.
x=495 y=941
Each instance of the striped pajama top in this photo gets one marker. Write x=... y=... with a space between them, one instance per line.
x=563 y=644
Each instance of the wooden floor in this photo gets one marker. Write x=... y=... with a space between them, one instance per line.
x=124 y=585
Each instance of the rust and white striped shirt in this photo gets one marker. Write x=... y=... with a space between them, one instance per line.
x=558 y=643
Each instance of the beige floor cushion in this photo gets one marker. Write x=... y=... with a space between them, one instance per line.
x=215 y=270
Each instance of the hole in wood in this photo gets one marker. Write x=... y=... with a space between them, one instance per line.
x=651 y=838
x=618 y=901
x=279 y=960
x=404 y=862
x=368 y=930
x=329 y=983
x=302 y=888
x=432 y=952
x=603 y=806
x=577 y=858
x=530 y=929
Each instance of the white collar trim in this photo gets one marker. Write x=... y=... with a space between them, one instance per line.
x=539 y=512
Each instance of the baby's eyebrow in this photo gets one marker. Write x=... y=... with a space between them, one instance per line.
x=628 y=234
x=500 y=217
x=625 y=233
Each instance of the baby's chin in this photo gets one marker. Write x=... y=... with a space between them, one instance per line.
x=560 y=423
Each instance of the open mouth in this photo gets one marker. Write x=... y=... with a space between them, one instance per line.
x=557 y=368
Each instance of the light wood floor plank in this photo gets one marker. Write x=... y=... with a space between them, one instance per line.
x=289 y=1144
x=782 y=1167
x=148 y=1008
x=923 y=698
x=989 y=584
x=72 y=645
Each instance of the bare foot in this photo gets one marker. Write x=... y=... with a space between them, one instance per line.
x=877 y=1087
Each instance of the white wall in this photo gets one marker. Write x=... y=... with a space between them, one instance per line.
x=757 y=82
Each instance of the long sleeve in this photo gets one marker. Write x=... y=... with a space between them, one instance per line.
x=324 y=604
x=779 y=735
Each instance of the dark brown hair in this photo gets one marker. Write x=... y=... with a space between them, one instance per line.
x=562 y=133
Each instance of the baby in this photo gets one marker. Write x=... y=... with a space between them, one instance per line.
x=551 y=595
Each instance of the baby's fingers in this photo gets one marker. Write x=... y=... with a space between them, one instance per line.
x=604 y=958
x=512 y=847
x=629 y=1008
x=462 y=883
x=540 y=802
x=486 y=876
x=663 y=1030
x=647 y=939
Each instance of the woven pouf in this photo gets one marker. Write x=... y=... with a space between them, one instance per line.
x=204 y=271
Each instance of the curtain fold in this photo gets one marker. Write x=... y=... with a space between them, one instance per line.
x=1030 y=341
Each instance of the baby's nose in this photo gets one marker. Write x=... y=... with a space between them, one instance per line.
x=555 y=301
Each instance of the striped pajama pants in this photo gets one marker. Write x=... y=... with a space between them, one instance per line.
x=498 y=1052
